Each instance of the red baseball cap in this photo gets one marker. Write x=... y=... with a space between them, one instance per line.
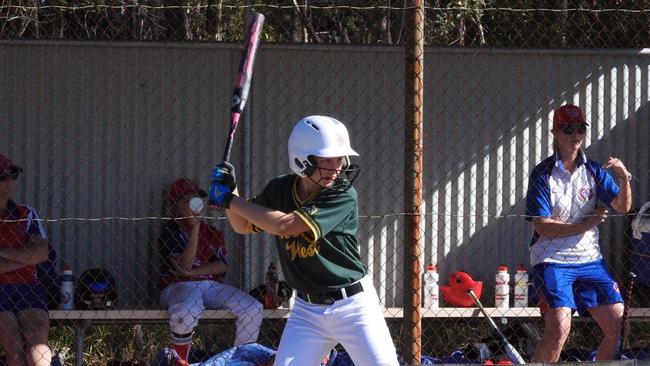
x=568 y=114
x=182 y=187
x=7 y=164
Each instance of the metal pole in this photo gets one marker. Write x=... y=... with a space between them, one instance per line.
x=414 y=62
x=80 y=327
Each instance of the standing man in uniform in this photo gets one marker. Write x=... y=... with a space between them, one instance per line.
x=565 y=194
x=193 y=265
x=313 y=214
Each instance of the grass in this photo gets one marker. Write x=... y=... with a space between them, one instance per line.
x=125 y=342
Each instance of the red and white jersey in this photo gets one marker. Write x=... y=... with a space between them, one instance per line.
x=16 y=226
x=172 y=242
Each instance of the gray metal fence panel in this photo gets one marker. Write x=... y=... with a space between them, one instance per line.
x=102 y=129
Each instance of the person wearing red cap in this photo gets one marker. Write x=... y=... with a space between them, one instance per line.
x=24 y=320
x=193 y=265
x=568 y=271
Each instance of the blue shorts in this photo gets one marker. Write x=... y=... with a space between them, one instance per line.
x=576 y=286
x=19 y=297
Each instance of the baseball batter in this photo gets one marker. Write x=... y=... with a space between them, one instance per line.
x=194 y=262
x=313 y=214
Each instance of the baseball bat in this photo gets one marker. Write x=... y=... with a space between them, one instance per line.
x=254 y=22
x=511 y=352
x=622 y=338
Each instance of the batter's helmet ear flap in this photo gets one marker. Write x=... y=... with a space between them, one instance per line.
x=305 y=167
x=310 y=166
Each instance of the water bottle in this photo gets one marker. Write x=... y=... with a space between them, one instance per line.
x=67 y=288
x=521 y=287
x=502 y=288
x=271 y=298
x=431 y=287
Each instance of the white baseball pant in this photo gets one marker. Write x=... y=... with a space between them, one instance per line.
x=185 y=302
x=357 y=323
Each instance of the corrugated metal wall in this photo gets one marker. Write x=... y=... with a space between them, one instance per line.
x=103 y=128
x=485 y=139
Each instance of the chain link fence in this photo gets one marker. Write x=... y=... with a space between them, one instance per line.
x=105 y=104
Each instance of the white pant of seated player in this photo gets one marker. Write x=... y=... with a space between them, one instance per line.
x=185 y=301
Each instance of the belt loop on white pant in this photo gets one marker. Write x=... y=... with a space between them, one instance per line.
x=344 y=293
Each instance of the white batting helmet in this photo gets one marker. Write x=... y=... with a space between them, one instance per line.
x=321 y=136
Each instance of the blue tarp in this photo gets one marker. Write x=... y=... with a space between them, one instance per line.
x=251 y=354
x=254 y=354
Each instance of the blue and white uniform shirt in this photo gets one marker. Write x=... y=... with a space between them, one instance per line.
x=557 y=193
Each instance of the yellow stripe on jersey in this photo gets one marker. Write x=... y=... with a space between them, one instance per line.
x=313 y=226
x=296 y=198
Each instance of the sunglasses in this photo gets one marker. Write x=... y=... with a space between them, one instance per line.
x=8 y=176
x=571 y=129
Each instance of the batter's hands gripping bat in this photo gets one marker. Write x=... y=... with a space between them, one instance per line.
x=622 y=338
x=512 y=353
x=255 y=22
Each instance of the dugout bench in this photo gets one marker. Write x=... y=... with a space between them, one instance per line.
x=82 y=319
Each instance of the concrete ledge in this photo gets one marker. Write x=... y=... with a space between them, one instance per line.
x=638 y=314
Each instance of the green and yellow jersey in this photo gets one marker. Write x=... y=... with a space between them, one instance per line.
x=326 y=257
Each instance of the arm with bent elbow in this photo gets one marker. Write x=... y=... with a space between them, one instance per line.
x=238 y=223
x=271 y=221
x=553 y=228
x=186 y=259
x=7 y=265
x=623 y=201
x=34 y=252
